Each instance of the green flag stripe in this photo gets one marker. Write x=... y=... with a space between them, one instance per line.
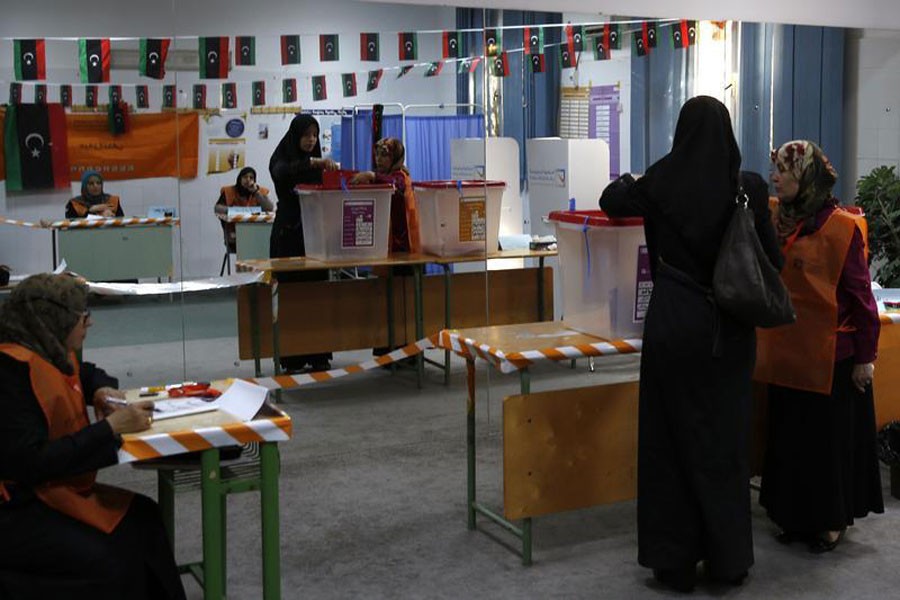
x=11 y=148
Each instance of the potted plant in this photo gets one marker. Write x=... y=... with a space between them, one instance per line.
x=878 y=193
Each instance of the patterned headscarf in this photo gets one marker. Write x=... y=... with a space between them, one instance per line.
x=395 y=150
x=41 y=312
x=815 y=177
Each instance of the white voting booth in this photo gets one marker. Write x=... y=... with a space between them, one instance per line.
x=560 y=169
x=495 y=159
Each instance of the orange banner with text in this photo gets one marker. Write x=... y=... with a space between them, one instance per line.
x=155 y=145
x=147 y=149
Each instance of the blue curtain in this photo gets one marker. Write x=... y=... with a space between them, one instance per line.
x=427 y=141
x=660 y=84
x=806 y=86
x=755 y=123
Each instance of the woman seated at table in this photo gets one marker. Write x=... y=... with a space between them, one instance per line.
x=64 y=535
x=245 y=192
x=93 y=201
x=389 y=168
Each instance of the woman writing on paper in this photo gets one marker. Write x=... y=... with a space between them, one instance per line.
x=696 y=363
x=93 y=201
x=821 y=468
x=297 y=160
x=64 y=535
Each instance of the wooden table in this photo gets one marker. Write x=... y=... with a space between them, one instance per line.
x=206 y=433
x=563 y=449
x=322 y=298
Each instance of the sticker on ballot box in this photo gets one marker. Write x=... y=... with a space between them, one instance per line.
x=644 y=285
x=359 y=223
x=473 y=219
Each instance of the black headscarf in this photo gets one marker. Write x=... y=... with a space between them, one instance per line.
x=289 y=165
x=237 y=185
x=41 y=312
x=694 y=185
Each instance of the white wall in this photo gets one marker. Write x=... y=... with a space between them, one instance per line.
x=29 y=250
x=872 y=104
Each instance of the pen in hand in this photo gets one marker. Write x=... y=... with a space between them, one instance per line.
x=120 y=402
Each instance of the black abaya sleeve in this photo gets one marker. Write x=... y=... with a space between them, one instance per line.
x=624 y=197
x=758 y=192
x=27 y=456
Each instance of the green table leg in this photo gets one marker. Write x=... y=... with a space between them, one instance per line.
x=271 y=543
x=420 y=322
x=211 y=506
x=540 y=288
x=525 y=381
x=254 y=327
x=448 y=278
x=165 y=497
x=470 y=443
x=276 y=340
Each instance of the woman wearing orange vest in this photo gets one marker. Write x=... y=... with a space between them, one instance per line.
x=821 y=469
x=389 y=168
x=245 y=192
x=93 y=201
x=63 y=534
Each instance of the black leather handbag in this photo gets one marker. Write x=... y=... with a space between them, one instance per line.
x=745 y=284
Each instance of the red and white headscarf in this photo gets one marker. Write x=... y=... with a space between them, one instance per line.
x=815 y=176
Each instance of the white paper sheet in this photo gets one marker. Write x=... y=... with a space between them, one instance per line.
x=169 y=409
x=242 y=399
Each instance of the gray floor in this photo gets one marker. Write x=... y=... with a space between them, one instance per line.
x=373 y=487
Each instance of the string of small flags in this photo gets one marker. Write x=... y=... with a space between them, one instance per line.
x=214 y=60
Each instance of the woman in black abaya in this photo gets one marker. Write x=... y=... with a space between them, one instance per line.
x=695 y=394
x=297 y=160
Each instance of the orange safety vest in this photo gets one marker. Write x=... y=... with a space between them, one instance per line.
x=232 y=198
x=801 y=355
x=62 y=402
x=82 y=209
x=412 y=215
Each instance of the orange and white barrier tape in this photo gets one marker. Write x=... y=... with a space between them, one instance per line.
x=156 y=445
x=288 y=382
x=17 y=223
x=516 y=361
x=114 y=222
x=251 y=218
x=890 y=318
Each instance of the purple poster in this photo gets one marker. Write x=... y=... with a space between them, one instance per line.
x=359 y=224
x=644 y=286
x=603 y=121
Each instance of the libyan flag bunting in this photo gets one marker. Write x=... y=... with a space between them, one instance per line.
x=36 y=148
x=153 y=55
x=213 y=57
x=93 y=60
x=30 y=63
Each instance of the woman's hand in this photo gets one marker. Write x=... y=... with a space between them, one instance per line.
x=102 y=210
x=102 y=408
x=326 y=164
x=362 y=177
x=132 y=418
x=862 y=375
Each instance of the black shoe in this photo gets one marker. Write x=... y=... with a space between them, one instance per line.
x=680 y=580
x=318 y=365
x=820 y=545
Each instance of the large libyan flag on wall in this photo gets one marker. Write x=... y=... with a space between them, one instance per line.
x=35 y=147
x=155 y=145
